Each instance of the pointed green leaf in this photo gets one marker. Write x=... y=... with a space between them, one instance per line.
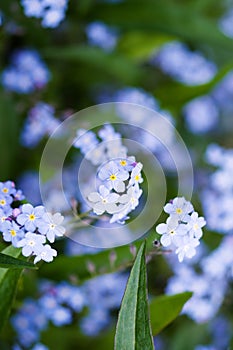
x=133 y=330
x=164 y=309
x=11 y=262
x=8 y=285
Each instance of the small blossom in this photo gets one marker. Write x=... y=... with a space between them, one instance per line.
x=12 y=233
x=30 y=216
x=31 y=243
x=136 y=177
x=44 y=252
x=195 y=225
x=186 y=247
x=183 y=228
x=113 y=177
x=179 y=208
x=50 y=225
x=170 y=231
x=7 y=188
x=103 y=201
x=5 y=202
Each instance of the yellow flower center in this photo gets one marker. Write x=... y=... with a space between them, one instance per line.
x=31 y=243
x=172 y=232
x=52 y=226
x=136 y=177
x=2 y=202
x=179 y=211
x=123 y=162
x=13 y=233
x=196 y=227
x=104 y=200
x=32 y=217
x=5 y=190
x=113 y=177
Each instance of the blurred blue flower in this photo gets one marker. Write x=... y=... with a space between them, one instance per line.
x=99 y=34
x=201 y=115
x=29 y=182
x=61 y=316
x=40 y=122
x=26 y=73
x=95 y=321
x=225 y=23
x=40 y=346
x=50 y=11
x=188 y=67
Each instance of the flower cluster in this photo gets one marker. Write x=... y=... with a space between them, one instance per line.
x=219 y=190
x=118 y=175
x=40 y=122
x=183 y=228
x=59 y=303
x=26 y=73
x=52 y=12
x=28 y=227
x=188 y=67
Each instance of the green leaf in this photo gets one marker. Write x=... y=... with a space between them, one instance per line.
x=164 y=309
x=8 y=131
x=112 y=65
x=8 y=285
x=11 y=262
x=165 y=16
x=133 y=330
x=139 y=45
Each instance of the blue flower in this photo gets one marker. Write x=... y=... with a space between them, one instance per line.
x=103 y=201
x=188 y=67
x=113 y=177
x=44 y=252
x=26 y=73
x=85 y=141
x=52 y=12
x=40 y=346
x=50 y=225
x=99 y=34
x=40 y=122
x=12 y=233
x=7 y=188
x=31 y=243
x=30 y=216
x=61 y=316
x=5 y=202
x=3 y=216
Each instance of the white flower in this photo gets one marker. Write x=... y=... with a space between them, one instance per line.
x=170 y=231
x=195 y=224
x=128 y=202
x=186 y=247
x=179 y=208
x=103 y=201
x=31 y=243
x=46 y=253
x=136 y=177
x=51 y=226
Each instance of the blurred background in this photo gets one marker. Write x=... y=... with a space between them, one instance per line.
x=176 y=57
